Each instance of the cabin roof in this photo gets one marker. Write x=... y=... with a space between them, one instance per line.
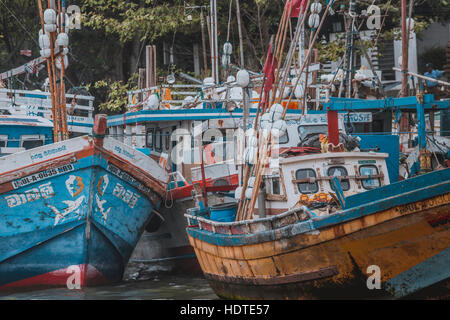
x=22 y=120
x=334 y=155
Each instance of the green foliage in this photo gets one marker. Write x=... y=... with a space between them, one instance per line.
x=114 y=93
x=109 y=47
x=126 y=20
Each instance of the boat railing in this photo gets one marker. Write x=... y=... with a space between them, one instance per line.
x=204 y=93
x=196 y=219
x=40 y=102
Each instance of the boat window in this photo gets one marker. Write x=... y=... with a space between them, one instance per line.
x=150 y=137
x=167 y=140
x=284 y=138
x=369 y=170
x=275 y=186
x=158 y=140
x=3 y=141
x=339 y=172
x=306 y=187
x=31 y=141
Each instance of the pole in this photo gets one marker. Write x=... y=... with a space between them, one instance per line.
x=241 y=45
x=216 y=44
x=404 y=51
x=205 y=62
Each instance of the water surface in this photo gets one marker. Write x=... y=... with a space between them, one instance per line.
x=165 y=287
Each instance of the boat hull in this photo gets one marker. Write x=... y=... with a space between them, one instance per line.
x=403 y=238
x=167 y=249
x=72 y=220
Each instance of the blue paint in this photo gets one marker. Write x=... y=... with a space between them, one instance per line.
x=339 y=192
x=399 y=188
x=387 y=144
x=405 y=192
x=35 y=242
x=224 y=212
x=423 y=275
x=405 y=103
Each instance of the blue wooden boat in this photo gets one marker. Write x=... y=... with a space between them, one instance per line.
x=72 y=212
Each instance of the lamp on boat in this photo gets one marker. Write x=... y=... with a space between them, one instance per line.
x=230 y=106
x=171 y=78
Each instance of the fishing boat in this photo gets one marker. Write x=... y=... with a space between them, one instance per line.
x=72 y=210
x=390 y=240
x=159 y=124
x=26 y=119
x=298 y=243
x=399 y=230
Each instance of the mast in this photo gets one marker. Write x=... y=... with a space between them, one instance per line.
x=241 y=46
x=405 y=41
x=214 y=40
x=53 y=49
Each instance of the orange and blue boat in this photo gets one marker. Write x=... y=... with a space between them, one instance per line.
x=389 y=242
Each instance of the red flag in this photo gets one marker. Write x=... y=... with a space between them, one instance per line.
x=297 y=7
x=269 y=70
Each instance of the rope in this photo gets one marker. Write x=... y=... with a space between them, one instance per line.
x=229 y=20
x=18 y=21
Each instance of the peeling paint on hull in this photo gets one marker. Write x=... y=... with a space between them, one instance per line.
x=83 y=210
x=407 y=238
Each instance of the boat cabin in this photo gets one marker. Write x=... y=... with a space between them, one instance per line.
x=308 y=180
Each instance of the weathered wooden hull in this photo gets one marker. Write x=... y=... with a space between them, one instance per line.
x=74 y=215
x=406 y=235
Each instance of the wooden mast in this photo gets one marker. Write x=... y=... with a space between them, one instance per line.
x=57 y=91
x=405 y=41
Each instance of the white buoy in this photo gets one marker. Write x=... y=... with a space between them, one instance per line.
x=238 y=193
x=50 y=16
x=58 y=62
x=231 y=79
x=208 y=81
x=227 y=48
x=279 y=128
x=66 y=22
x=299 y=91
x=50 y=27
x=314 y=20
x=252 y=141
x=276 y=112
x=410 y=23
x=44 y=41
x=316 y=7
x=45 y=53
x=250 y=154
x=249 y=192
x=243 y=78
x=266 y=121
x=236 y=93
x=62 y=40
x=187 y=101
x=152 y=102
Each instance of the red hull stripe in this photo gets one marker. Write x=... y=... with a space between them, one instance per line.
x=60 y=278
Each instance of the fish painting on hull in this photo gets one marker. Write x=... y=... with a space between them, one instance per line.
x=50 y=222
